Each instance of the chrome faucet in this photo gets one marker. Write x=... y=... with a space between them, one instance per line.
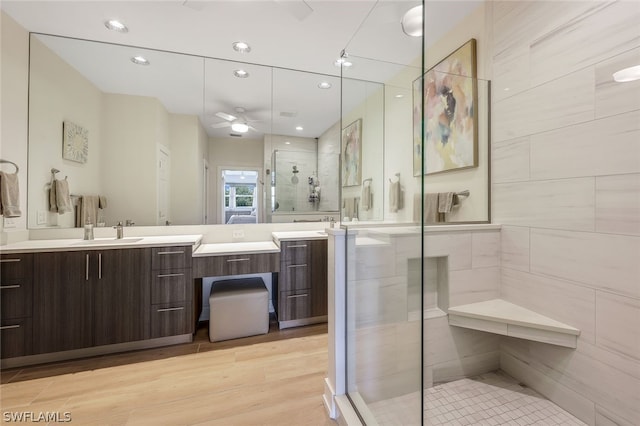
x=129 y=222
x=119 y=232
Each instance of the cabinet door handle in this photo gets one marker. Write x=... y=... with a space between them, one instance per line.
x=7 y=287
x=297 y=246
x=99 y=266
x=295 y=296
x=170 y=275
x=163 y=253
x=244 y=259
x=86 y=269
x=171 y=309
x=9 y=260
x=303 y=265
x=9 y=327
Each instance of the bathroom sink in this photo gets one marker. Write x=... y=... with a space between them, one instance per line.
x=107 y=241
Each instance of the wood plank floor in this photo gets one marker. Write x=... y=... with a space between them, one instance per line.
x=273 y=379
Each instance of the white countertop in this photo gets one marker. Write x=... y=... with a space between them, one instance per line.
x=298 y=235
x=72 y=244
x=220 y=249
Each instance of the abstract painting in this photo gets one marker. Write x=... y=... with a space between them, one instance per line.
x=449 y=97
x=352 y=154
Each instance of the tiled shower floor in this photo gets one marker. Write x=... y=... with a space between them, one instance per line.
x=489 y=399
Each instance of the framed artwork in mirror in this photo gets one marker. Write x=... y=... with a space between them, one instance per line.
x=75 y=142
x=449 y=96
x=352 y=154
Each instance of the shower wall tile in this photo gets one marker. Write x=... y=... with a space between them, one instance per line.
x=510 y=72
x=558 y=103
x=381 y=300
x=602 y=31
x=572 y=304
x=510 y=160
x=375 y=261
x=617 y=324
x=514 y=249
x=618 y=204
x=601 y=147
x=457 y=246
x=612 y=97
x=473 y=285
x=564 y=396
x=559 y=204
x=472 y=365
x=485 y=248
x=603 y=261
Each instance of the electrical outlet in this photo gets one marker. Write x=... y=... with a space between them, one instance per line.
x=41 y=217
x=9 y=222
x=238 y=233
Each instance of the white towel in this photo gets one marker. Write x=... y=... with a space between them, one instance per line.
x=395 y=197
x=87 y=210
x=366 y=196
x=9 y=195
x=63 y=198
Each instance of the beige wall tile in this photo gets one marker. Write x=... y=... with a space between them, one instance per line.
x=456 y=246
x=618 y=204
x=613 y=97
x=514 y=249
x=473 y=285
x=559 y=204
x=604 y=261
x=510 y=160
x=485 y=249
x=601 y=147
x=618 y=324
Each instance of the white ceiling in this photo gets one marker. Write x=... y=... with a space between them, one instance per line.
x=294 y=34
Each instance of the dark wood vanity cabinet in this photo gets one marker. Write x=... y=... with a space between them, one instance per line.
x=90 y=298
x=302 y=282
x=171 y=303
x=16 y=300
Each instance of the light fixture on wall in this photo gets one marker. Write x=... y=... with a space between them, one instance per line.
x=140 y=60
x=115 y=25
x=241 y=46
x=627 y=74
x=412 y=22
x=240 y=127
x=241 y=73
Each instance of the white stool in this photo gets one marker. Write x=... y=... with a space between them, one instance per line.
x=238 y=308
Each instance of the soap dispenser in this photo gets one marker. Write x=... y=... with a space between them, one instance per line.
x=88 y=230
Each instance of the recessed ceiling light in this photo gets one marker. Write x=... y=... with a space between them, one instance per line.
x=342 y=62
x=324 y=85
x=240 y=127
x=115 y=25
x=299 y=128
x=627 y=74
x=241 y=73
x=241 y=46
x=412 y=22
x=287 y=143
x=399 y=95
x=140 y=60
x=506 y=89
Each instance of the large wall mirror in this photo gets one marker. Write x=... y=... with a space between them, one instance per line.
x=179 y=139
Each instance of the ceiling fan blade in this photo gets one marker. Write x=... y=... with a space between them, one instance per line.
x=298 y=8
x=226 y=116
x=221 y=125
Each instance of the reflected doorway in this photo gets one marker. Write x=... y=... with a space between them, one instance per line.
x=240 y=196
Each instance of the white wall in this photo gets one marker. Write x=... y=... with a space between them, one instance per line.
x=566 y=187
x=14 y=70
x=59 y=93
x=328 y=169
x=233 y=153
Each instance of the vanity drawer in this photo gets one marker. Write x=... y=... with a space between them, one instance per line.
x=15 y=337
x=172 y=257
x=16 y=298
x=294 y=305
x=14 y=266
x=171 y=286
x=171 y=319
x=212 y=266
x=295 y=251
x=295 y=277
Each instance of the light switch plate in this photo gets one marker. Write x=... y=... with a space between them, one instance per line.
x=42 y=217
x=9 y=222
x=238 y=233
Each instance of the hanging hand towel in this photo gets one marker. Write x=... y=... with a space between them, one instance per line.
x=87 y=210
x=102 y=200
x=63 y=198
x=366 y=196
x=9 y=195
x=53 y=197
x=395 y=197
x=431 y=214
